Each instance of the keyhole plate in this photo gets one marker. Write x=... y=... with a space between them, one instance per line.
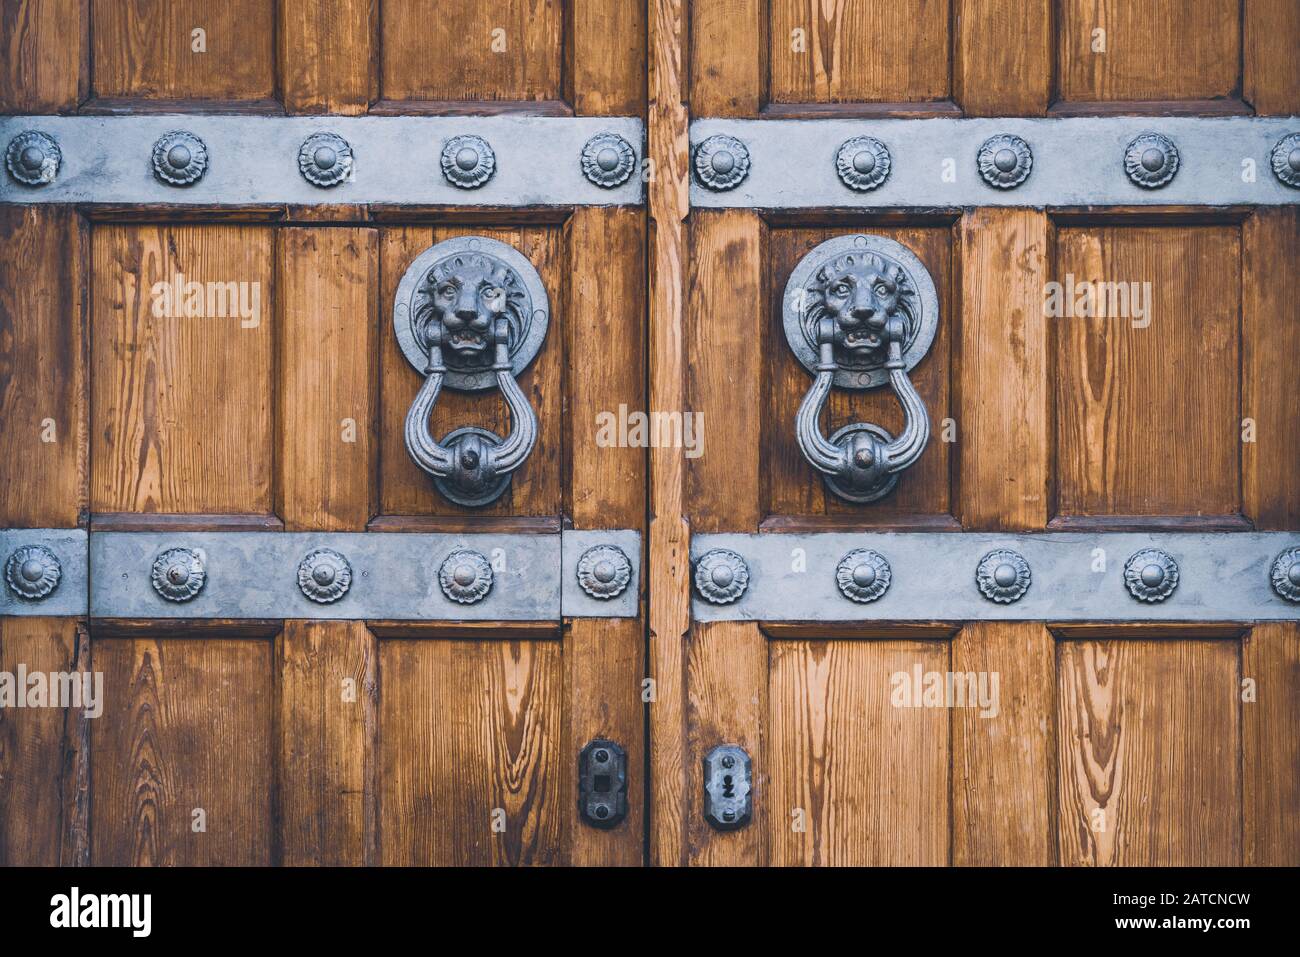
x=602 y=783
x=728 y=787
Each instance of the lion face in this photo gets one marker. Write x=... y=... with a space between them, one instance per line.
x=466 y=294
x=861 y=292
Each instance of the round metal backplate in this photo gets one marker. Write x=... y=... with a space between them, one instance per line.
x=536 y=309
x=847 y=492
x=453 y=492
x=800 y=295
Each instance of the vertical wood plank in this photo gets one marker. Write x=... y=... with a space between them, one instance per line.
x=1003 y=442
x=44 y=55
x=1270 y=357
x=43 y=431
x=328 y=286
x=1003 y=57
x=328 y=704
x=1272 y=34
x=1003 y=764
x=328 y=59
x=1270 y=734
x=608 y=60
x=728 y=69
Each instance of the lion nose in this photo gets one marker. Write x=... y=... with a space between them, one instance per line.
x=467 y=315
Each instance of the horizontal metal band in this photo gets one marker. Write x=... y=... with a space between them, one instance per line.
x=932 y=577
x=66 y=577
x=397 y=160
x=1075 y=161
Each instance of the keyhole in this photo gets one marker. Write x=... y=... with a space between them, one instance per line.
x=728 y=787
x=601 y=783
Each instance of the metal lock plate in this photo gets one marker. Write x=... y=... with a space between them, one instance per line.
x=602 y=783
x=728 y=787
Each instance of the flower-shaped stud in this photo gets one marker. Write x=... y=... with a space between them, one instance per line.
x=608 y=160
x=1151 y=160
x=863 y=163
x=325 y=159
x=33 y=158
x=1151 y=575
x=468 y=161
x=1286 y=160
x=179 y=158
x=1005 y=161
x=721 y=162
x=721 y=576
x=1003 y=576
x=863 y=575
x=33 y=571
x=465 y=576
x=604 y=571
x=178 y=574
x=1286 y=574
x=324 y=575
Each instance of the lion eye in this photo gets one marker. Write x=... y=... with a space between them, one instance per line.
x=840 y=289
x=492 y=292
x=883 y=289
x=446 y=290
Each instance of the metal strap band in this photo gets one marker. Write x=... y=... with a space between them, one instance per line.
x=932 y=577
x=68 y=545
x=398 y=160
x=933 y=163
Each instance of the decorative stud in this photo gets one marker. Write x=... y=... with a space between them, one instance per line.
x=465 y=576
x=1151 y=575
x=178 y=574
x=721 y=576
x=1285 y=157
x=1005 y=161
x=863 y=163
x=1286 y=574
x=179 y=158
x=1151 y=160
x=604 y=571
x=325 y=159
x=1003 y=576
x=863 y=575
x=33 y=158
x=468 y=161
x=721 y=162
x=324 y=575
x=608 y=160
x=33 y=571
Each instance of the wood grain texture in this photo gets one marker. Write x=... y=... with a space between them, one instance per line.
x=181 y=407
x=871 y=779
x=471 y=733
x=44 y=55
x=830 y=51
x=1004 y=764
x=43 y=750
x=469 y=50
x=537 y=485
x=792 y=486
x=328 y=403
x=1002 y=57
x=187 y=724
x=1004 y=405
x=1270 y=737
x=728 y=43
x=1148 y=418
x=608 y=56
x=328 y=721
x=1155 y=50
x=1270 y=358
x=43 y=436
x=327 y=55
x=1272 y=34
x=1148 y=752
x=145 y=49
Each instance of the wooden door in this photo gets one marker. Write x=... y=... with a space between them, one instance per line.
x=1135 y=741
x=277 y=740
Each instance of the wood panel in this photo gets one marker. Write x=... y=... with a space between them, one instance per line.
x=182 y=407
x=1270 y=731
x=43 y=750
x=44 y=54
x=187 y=726
x=328 y=705
x=1272 y=33
x=328 y=405
x=728 y=72
x=537 y=485
x=473 y=767
x=147 y=49
x=1148 y=415
x=1153 y=50
x=608 y=57
x=1148 y=752
x=1003 y=437
x=1004 y=763
x=327 y=55
x=42 y=366
x=795 y=488
x=1002 y=57
x=870 y=778
x=457 y=50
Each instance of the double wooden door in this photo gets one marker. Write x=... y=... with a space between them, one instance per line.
x=1123 y=739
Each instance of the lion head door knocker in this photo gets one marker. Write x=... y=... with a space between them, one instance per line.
x=470 y=313
x=859 y=312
